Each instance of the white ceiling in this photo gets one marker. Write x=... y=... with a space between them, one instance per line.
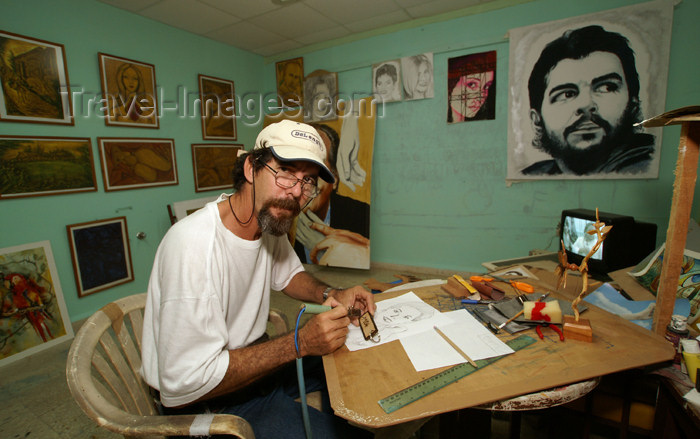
x=271 y=27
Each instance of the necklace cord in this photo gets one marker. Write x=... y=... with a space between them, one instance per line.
x=243 y=223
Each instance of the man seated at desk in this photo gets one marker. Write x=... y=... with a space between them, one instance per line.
x=204 y=345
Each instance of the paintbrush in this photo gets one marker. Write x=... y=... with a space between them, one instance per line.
x=542 y=297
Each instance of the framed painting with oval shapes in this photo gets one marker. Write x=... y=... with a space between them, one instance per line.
x=132 y=163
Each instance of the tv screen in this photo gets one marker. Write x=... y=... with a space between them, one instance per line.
x=627 y=243
x=577 y=239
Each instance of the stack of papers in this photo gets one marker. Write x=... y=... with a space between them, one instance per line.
x=428 y=350
x=412 y=321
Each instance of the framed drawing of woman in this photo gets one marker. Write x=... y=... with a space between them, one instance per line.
x=129 y=92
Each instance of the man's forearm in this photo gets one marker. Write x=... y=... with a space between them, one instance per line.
x=247 y=365
x=306 y=288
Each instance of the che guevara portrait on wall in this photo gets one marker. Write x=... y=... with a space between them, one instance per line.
x=579 y=86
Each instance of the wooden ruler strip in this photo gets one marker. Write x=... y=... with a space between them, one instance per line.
x=436 y=382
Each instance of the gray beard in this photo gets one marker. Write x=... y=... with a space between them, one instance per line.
x=278 y=226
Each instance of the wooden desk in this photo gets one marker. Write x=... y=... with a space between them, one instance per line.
x=358 y=380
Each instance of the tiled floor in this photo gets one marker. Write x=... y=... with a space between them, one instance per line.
x=35 y=401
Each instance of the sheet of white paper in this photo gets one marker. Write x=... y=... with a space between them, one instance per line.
x=397 y=318
x=428 y=350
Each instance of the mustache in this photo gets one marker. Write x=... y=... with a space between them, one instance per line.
x=595 y=118
x=286 y=203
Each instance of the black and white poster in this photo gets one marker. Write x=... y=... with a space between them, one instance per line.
x=578 y=86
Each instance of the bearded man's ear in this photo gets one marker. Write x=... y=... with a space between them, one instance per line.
x=536 y=121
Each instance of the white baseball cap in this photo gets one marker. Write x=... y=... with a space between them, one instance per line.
x=293 y=141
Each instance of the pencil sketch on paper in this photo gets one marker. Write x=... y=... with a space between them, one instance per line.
x=397 y=318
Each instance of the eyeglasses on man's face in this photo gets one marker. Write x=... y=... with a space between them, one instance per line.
x=286 y=180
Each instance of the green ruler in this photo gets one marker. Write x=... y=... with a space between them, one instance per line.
x=411 y=394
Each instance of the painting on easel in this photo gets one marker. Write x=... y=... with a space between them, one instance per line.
x=34 y=315
x=334 y=228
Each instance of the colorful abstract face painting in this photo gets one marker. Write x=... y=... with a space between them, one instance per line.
x=471 y=87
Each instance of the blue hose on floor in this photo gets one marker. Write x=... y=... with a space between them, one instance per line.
x=312 y=309
x=300 y=379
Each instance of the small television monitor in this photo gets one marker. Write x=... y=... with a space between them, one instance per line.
x=628 y=242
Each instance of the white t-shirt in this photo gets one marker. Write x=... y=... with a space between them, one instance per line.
x=209 y=292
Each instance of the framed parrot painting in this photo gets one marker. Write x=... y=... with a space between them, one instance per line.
x=33 y=313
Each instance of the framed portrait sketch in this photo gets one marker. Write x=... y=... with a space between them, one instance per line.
x=290 y=82
x=578 y=86
x=34 y=315
x=213 y=164
x=320 y=96
x=100 y=254
x=129 y=92
x=34 y=81
x=386 y=80
x=218 y=108
x=33 y=166
x=137 y=163
x=417 y=76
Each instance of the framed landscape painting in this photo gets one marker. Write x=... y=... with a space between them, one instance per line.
x=34 y=315
x=101 y=255
x=34 y=81
x=213 y=165
x=33 y=166
x=137 y=163
x=218 y=108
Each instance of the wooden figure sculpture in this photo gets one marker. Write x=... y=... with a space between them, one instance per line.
x=575 y=327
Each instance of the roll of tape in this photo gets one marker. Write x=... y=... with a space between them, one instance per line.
x=200 y=425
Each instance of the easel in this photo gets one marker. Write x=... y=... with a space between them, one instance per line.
x=681 y=204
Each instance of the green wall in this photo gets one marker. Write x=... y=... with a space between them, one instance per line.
x=86 y=27
x=439 y=197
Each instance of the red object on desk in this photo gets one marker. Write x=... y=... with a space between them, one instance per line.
x=547 y=325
